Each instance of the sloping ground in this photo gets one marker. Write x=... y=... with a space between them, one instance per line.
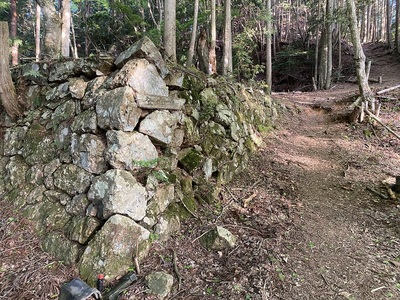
x=307 y=225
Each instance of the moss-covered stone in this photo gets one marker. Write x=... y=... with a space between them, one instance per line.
x=190 y=159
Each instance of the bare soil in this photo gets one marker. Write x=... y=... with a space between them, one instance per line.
x=307 y=222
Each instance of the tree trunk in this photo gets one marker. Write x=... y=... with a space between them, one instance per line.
x=268 y=66
x=396 y=34
x=359 y=57
x=329 y=13
x=213 y=57
x=7 y=90
x=227 y=57
x=389 y=23
x=13 y=32
x=170 y=30
x=189 y=61
x=66 y=28
x=52 y=27
x=203 y=52
x=37 y=32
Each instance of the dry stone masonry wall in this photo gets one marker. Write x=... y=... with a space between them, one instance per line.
x=111 y=154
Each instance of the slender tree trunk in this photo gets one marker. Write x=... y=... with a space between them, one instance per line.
x=389 y=24
x=359 y=56
x=213 y=57
x=170 y=30
x=74 y=47
x=37 y=32
x=396 y=33
x=189 y=61
x=52 y=24
x=268 y=66
x=65 y=28
x=7 y=89
x=13 y=32
x=227 y=57
x=329 y=13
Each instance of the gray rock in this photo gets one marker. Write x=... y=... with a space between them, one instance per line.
x=159 y=102
x=60 y=71
x=112 y=249
x=163 y=196
x=61 y=248
x=14 y=140
x=62 y=136
x=66 y=111
x=77 y=87
x=16 y=169
x=130 y=150
x=87 y=152
x=175 y=79
x=93 y=91
x=159 y=125
x=118 y=192
x=167 y=225
x=35 y=72
x=77 y=206
x=35 y=175
x=39 y=147
x=159 y=283
x=57 y=197
x=86 y=122
x=57 y=93
x=36 y=195
x=144 y=48
x=218 y=238
x=81 y=228
x=142 y=77
x=72 y=179
x=51 y=167
x=117 y=109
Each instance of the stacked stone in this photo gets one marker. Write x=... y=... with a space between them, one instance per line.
x=108 y=150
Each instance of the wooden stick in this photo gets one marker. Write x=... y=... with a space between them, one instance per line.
x=388 y=89
x=178 y=274
x=368 y=68
x=380 y=122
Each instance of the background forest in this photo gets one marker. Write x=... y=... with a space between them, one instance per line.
x=297 y=29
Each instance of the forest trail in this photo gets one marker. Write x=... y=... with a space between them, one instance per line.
x=345 y=241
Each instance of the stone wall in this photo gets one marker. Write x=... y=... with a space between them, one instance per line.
x=110 y=155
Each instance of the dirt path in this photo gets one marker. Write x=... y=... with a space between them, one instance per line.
x=345 y=242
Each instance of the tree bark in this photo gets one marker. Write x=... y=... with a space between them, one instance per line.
x=189 y=61
x=396 y=33
x=268 y=66
x=170 y=30
x=13 y=32
x=227 y=57
x=65 y=28
x=7 y=90
x=359 y=58
x=389 y=23
x=203 y=52
x=37 y=32
x=52 y=27
x=213 y=57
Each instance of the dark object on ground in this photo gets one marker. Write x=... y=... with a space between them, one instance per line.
x=120 y=287
x=78 y=290
x=396 y=187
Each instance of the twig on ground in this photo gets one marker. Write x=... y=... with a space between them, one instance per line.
x=377 y=193
x=176 y=270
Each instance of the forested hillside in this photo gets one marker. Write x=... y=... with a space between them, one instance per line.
x=237 y=37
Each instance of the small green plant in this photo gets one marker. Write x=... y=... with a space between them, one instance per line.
x=154 y=237
x=161 y=176
x=209 y=290
x=311 y=245
x=151 y=163
x=281 y=276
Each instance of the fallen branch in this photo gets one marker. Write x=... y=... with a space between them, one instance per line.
x=383 y=124
x=388 y=89
x=178 y=274
x=383 y=196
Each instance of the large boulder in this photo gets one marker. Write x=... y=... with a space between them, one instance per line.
x=87 y=153
x=130 y=150
x=117 y=109
x=72 y=179
x=142 y=77
x=118 y=192
x=143 y=48
x=159 y=125
x=113 y=248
